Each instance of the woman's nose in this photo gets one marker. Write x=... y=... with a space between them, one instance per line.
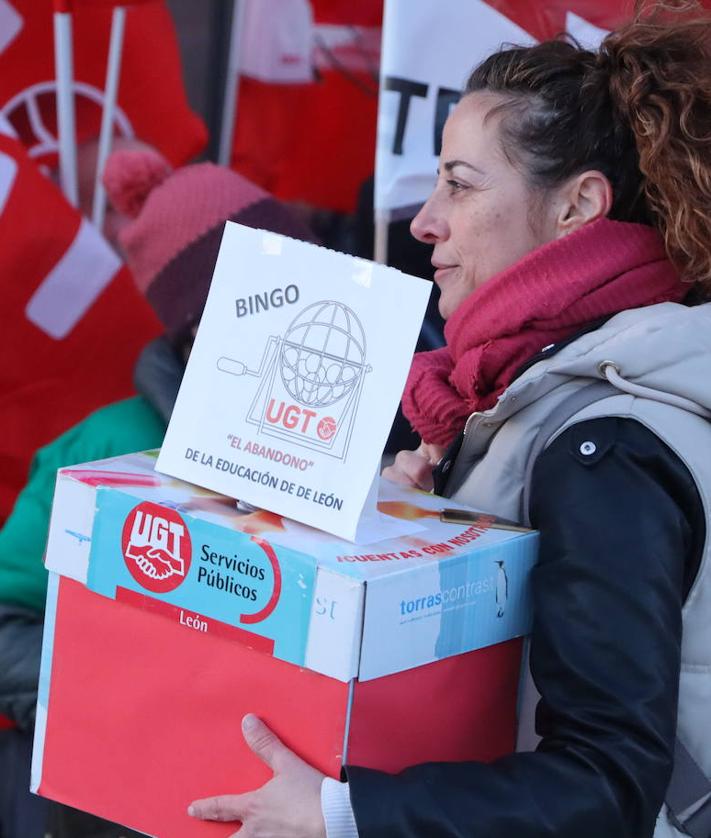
x=428 y=225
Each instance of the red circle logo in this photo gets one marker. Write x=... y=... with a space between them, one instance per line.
x=327 y=427
x=156 y=547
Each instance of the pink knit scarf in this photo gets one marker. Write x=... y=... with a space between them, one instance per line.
x=550 y=294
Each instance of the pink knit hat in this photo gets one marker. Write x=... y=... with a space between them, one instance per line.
x=178 y=217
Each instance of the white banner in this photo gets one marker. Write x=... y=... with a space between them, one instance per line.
x=428 y=51
x=585 y=33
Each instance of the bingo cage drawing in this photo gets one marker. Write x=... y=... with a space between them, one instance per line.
x=311 y=379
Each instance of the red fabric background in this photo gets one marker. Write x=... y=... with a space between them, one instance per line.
x=47 y=385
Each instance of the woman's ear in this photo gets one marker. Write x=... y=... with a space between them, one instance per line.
x=584 y=198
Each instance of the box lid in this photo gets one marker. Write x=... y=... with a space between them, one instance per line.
x=342 y=609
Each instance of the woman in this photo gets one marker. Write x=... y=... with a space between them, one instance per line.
x=570 y=237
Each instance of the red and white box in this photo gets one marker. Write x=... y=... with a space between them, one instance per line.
x=170 y=615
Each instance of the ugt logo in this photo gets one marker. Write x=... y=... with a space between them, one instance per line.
x=156 y=547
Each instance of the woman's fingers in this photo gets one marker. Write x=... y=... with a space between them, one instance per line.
x=288 y=805
x=411 y=468
x=224 y=807
x=432 y=452
x=262 y=742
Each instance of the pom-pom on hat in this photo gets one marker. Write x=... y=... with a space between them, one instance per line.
x=131 y=176
x=178 y=216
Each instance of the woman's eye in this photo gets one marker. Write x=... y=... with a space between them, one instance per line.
x=455 y=186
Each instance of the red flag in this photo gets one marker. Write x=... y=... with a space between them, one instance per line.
x=550 y=18
x=547 y=19
x=73 y=322
x=334 y=103
x=151 y=100
x=70 y=5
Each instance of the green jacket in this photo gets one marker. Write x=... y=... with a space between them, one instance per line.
x=118 y=428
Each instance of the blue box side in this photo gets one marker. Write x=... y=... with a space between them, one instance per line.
x=452 y=606
x=275 y=602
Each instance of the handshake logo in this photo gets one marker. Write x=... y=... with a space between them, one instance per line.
x=156 y=547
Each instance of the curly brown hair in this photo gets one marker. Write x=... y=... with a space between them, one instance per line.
x=639 y=110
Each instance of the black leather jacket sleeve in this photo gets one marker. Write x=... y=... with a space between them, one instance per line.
x=621 y=526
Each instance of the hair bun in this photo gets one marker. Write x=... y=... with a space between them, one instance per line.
x=131 y=175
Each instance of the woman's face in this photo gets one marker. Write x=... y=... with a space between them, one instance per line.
x=478 y=217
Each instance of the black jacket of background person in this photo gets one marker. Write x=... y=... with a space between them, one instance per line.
x=604 y=762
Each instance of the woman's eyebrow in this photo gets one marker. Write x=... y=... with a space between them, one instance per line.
x=451 y=164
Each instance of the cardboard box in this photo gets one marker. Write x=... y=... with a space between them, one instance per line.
x=170 y=615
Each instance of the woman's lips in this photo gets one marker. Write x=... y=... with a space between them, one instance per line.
x=442 y=271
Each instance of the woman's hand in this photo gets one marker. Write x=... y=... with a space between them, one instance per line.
x=414 y=468
x=288 y=806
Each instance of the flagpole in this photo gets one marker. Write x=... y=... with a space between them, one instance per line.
x=66 y=123
x=229 y=103
x=113 y=75
x=382 y=224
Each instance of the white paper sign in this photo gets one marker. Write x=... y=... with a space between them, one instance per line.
x=294 y=379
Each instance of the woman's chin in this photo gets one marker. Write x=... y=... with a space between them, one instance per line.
x=453 y=291
x=443 y=308
x=449 y=302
